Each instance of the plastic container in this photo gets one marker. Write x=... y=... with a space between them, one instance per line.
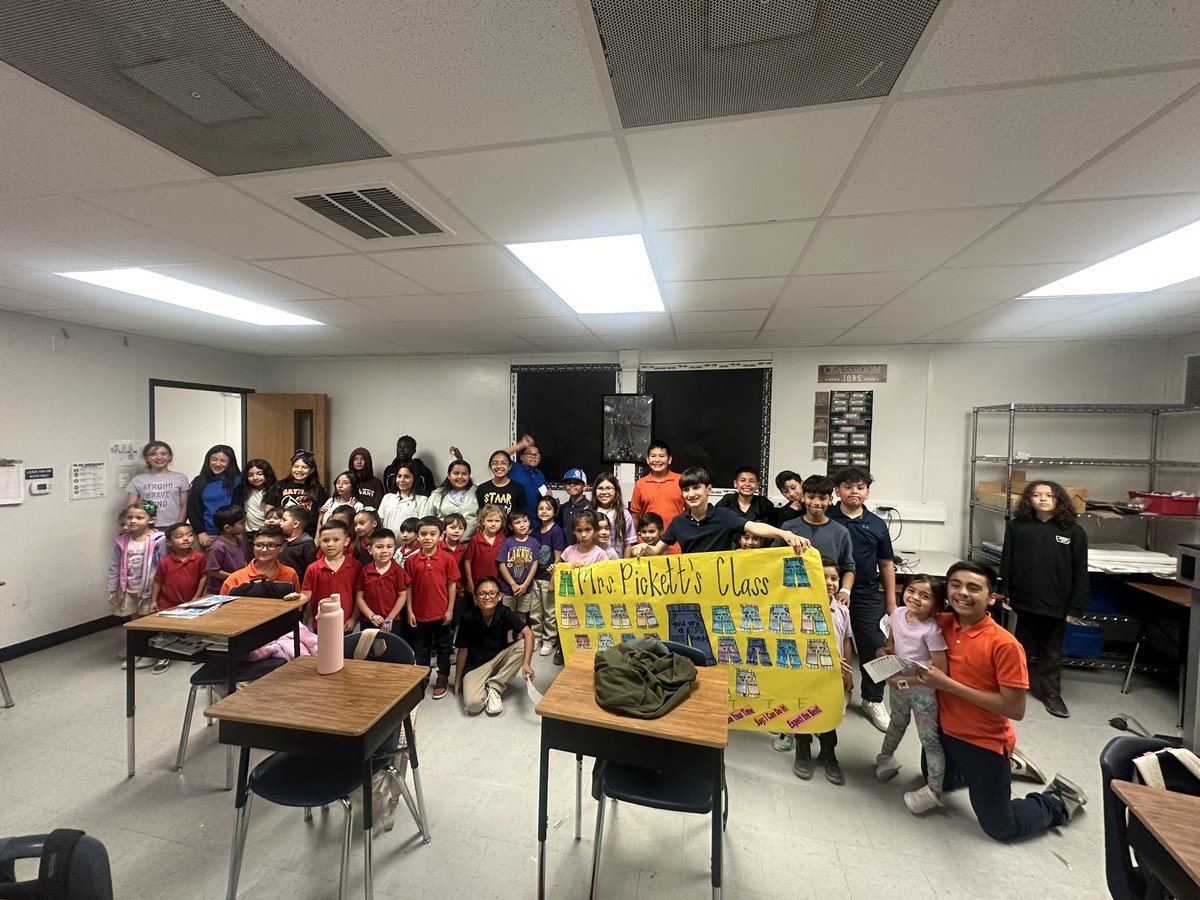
x=331 y=649
x=1083 y=640
x=1166 y=504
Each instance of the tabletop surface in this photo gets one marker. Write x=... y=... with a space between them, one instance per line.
x=1174 y=593
x=1171 y=817
x=345 y=703
x=228 y=620
x=702 y=719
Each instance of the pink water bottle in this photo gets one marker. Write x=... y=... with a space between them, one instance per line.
x=330 y=648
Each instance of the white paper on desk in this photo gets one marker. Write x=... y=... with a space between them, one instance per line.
x=884 y=667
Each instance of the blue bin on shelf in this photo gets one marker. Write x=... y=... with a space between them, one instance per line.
x=1083 y=640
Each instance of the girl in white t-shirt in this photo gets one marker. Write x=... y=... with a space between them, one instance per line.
x=916 y=636
x=167 y=490
x=344 y=493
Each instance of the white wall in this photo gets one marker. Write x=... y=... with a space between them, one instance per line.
x=63 y=406
x=192 y=420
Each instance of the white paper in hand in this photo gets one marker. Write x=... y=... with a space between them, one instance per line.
x=884 y=667
x=534 y=696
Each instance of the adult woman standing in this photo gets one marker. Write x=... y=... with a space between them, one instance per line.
x=213 y=488
x=526 y=473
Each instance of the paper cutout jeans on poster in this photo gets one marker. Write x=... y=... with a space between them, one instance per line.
x=762 y=615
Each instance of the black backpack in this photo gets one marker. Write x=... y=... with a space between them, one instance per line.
x=73 y=866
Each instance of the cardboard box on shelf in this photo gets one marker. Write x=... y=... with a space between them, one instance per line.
x=992 y=493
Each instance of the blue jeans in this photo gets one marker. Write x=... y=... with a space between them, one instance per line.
x=988 y=780
x=687 y=627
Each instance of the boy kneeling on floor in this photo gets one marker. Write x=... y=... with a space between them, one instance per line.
x=488 y=653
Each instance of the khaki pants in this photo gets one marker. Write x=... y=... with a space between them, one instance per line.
x=495 y=673
x=542 y=620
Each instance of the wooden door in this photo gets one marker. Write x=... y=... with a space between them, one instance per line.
x=279 y=424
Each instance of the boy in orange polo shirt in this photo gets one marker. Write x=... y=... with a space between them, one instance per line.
x=268 y=543
x=659 y=491
x=334 y=573
x=984 y=691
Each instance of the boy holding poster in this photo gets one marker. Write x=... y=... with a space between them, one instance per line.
x=704 y=528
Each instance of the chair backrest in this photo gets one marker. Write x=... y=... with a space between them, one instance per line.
x=72 y=866
x=1125 y=882
x=383 y=646
x=698 y=657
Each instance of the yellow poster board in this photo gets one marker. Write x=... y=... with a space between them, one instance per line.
x=762 y=615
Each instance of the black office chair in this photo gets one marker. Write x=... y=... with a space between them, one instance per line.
x=649 y=787
x=1127 y=881
x=72 y=866
x=288 y=779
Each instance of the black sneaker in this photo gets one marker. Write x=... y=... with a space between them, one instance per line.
x=558 y=657
x=1056 y=707
x=803 y=767
x=1068 y=793
x=833 y=771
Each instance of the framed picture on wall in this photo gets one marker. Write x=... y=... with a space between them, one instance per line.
x=628 y=425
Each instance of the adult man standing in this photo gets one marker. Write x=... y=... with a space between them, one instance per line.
x=406 y=455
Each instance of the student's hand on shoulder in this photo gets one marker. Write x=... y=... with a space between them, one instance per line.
x=205 y=539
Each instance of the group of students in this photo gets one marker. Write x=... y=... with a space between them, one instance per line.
x=407 y=556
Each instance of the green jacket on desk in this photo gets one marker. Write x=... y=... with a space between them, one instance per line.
x=646 y=682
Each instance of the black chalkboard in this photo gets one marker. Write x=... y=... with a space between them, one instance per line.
x=718 y=418
x=562 y=407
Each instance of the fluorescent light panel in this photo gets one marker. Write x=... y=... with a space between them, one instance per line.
x=1169 y=259
x=595 y=275
x=153 y=286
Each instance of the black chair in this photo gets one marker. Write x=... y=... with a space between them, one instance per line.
x=72 y=866
x=1127 y=881
x=288 y=779
x=649 y=787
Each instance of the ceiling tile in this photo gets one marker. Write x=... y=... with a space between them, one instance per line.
x=335 y=312
x=896 y=334
x=460 y=74
x=1084 y=231
x=737 y=293
x=34 y=304
x=1002 y=146
x=539 y=193
x=715 y=341
x=513 y=304
x=1159 y=160
x=1076 y=328
x=747 y=170
x=460 y=270
x=345 y=276
x=1173 y=327
x=32 y=253
x=1151 y=307
x=981 y=41
x=566 y=326
x=626 y=324
x=12 y=187
x=985 y=283
x=220 y=217
x=818 y=317
x=931 y=314
x=1016 y=317
x=737 y=320
x=855 y=289
x=640 y=341
x=740 y=251
x=921 y=240
x=242 y=280
x=802 y=337
x=62 y=145
x=411 y=308
x=569 y=344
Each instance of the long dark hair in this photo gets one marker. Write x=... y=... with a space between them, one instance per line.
x=269 y=478
x=446 y=486
x=232 y=474
x=1064 y=510
x=619 y=535
x=312 y=485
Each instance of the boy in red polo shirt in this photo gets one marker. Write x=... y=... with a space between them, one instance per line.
x=984 y=691
x=181 y=572
x=334 y=573
x=434 y=576
x=385 y=588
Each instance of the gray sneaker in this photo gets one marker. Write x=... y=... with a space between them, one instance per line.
x=1070 y=794
x=922 y=800
x=1025 y=768
x=784 y=742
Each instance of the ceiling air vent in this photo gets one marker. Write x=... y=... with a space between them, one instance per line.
x=376 y=212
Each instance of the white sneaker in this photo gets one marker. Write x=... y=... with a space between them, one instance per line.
x=1025 y=768
x=161 y=666
x=922 y=800
x=876 y=713
x=784 y=742
x=143 y=662
x=494 y=705
x=122 y=652
x=886 y=767
x=547 y=648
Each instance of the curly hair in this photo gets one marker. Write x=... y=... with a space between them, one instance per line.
x=1064 y=510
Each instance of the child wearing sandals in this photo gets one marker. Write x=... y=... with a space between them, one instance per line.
x=916 y=636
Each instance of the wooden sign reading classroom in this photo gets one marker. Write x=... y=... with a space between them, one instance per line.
x=762 y=615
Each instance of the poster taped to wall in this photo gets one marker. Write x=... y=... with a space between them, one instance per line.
x=761 y=615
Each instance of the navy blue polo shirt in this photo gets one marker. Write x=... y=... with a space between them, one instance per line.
x=870 y=542
x=716 y=531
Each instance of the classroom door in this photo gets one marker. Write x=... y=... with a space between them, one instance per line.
x=279 y=424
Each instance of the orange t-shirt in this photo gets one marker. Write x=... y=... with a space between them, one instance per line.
x=984 y=657
x=250 y=573
x=662 y=497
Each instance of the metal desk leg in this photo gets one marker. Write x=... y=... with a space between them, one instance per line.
x=241 y=820
x=578 y=792
x=543 y=792
x=368 y=882
x=296 y=640
x=415 y=765
x=231 y=686
x=718 y=779
x=1138 y=641
x=8 y=700
x=129 y=702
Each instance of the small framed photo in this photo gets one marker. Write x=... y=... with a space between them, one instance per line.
x=628 y=427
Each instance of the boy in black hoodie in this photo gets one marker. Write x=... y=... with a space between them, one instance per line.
x=370 y=489
x=406 y=454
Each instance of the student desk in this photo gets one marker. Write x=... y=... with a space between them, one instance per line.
x=690 y=740
x=1170 y=817
x=247 y=623
x=345 y=716
x=1179 y=600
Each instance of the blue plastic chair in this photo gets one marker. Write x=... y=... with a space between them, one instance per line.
x=289 y=779
x=649 y=787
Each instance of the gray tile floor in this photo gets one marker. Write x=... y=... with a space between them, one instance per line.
x=62 y=763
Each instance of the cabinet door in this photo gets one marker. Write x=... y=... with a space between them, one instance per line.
x=277 y=425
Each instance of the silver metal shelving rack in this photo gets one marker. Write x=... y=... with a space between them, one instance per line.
x=1152 y=463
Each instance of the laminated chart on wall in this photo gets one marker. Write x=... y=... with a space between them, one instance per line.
x=761 y=615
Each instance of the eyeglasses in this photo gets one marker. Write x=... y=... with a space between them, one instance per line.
x=270 y=546
x=487 y=594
